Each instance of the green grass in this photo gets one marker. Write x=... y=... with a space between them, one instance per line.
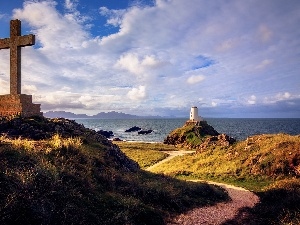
x=253 y=163
x=145 y=154
x=145 y=158
x=69 y=181
x=146 y=146
x=266 y=164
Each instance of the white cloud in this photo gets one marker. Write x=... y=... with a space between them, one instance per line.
x=4 y=87
x=114 y=16
x=252 y=100
x=71 y=5
x=29 y=89
x=195 y=79
x=160 y=47
x=214 y=104
x=264 y=63
x=131 y=63
x=280 y=97
x=137 y=93
x=53 y=30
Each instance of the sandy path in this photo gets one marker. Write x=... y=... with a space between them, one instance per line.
x=221 y=212
x=216 y=214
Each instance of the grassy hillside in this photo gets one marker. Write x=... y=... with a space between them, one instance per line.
x=254 y=162
x=145 y=154
x=74 y=176
x=267 y=164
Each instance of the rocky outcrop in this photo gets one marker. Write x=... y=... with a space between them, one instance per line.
x=133 y=129
x=39 y=128
x=197 y=136
x=145 y=131
x=220 y=140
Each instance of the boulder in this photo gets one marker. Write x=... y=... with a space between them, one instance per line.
x=117 y=139
x=145 y=131
x=133 y=129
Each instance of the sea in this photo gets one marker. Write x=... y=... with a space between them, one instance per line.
x=239 y=128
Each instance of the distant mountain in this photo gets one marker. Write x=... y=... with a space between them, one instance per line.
x=114 y=115
x=101 y=115
x=63 y=114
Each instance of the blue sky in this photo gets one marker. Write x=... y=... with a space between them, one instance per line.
x=229 y=58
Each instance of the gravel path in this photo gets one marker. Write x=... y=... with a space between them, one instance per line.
x=221 y=212
x=216 y=214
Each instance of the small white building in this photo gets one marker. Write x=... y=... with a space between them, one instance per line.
x=194 y=114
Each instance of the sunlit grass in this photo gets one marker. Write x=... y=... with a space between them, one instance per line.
x=267 y=164
x=57 y=142
x=253 y=163
x=147 y=146
x=59 y=179
x=146 y=154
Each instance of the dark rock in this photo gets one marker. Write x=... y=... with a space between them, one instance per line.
x=117 y=139
x=133 y=129
x=107 y=134
x=145 y=131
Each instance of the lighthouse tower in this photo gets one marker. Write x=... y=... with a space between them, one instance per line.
x=194 y=115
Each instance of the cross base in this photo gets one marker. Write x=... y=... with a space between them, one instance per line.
x=18 y=105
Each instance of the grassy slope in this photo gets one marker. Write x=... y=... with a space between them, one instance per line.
x=65 y=181
x=268 y=164
x=146 y=154
x=254 y=163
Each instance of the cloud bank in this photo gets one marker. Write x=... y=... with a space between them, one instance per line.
x=231 y=59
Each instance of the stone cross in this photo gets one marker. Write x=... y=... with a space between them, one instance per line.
x=14 y=43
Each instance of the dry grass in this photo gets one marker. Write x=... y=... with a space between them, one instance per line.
x=63 y=181
x=145 y=154
x=268 y=164
x=253 y=163
x=57 y=142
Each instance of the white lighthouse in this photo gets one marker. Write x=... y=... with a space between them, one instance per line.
x=194 y=115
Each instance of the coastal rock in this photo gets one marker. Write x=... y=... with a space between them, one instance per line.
x=117 y=139
x=133 y=129
x=145 y=131
x=198 y=135
x=192 y=132
x=107 y=134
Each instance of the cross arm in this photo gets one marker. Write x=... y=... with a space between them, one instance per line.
x=26 y=40
x=4 y=43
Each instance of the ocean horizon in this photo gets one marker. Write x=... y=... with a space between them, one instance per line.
x=238 y=128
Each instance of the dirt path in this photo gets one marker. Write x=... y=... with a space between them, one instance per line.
x=216 y=214
x=221 y=212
